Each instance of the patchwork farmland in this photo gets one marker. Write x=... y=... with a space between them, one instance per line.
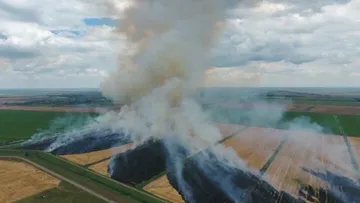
x=288 y=171
x=287 y=159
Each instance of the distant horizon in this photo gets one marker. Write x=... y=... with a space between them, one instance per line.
x=94 y=88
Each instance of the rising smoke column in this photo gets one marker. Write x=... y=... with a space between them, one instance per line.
x=169 y=42
x=168 y=46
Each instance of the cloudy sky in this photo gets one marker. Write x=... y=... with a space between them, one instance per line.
x=70 y=43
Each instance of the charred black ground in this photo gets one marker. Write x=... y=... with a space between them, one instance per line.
x=204 y=177
x=86 y=142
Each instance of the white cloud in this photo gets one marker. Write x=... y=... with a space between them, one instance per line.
x=274 y=42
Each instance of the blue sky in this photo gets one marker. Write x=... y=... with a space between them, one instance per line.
x=99 y=21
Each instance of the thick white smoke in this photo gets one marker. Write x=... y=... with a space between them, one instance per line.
x=168 y=42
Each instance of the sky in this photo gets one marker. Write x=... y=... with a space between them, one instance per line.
x=71 y=43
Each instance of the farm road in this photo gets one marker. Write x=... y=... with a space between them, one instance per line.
x=59 y=176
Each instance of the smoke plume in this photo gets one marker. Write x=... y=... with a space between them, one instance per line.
x=169 y=42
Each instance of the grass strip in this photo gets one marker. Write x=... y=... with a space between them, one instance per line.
x=104 y=186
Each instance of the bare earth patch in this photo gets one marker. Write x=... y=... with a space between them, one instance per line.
x=299 y=107
x=255 y=145
x=311 y=151
x=350 y=110
x=162 y=188
x=19 y=180
x=91 y=157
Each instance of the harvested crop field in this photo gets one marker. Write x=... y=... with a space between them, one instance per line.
x=351 y=110
x=306 y=151
x=19 y=180
x=163 y=189
x=101 y=167
x=355 y=145
x=229 y=129
x=255 y=145
x=91 y=157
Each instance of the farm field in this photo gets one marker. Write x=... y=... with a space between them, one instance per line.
x=337 y=109
x=246 y=117
x=21 y=125
x=91 y=157
x=50 y=108
x=255 y=145
x=19 y=180
x=112 y=190
x=308 y=151
x=355 y=145
x=101 y=167
x=163 y=189
x=63 y=193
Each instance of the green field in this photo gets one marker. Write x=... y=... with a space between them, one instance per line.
x=109 y=188
x=350 y=123
x=64 y=193
x=20 y=125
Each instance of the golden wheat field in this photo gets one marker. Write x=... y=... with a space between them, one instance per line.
x=101 y=167
x=255 y=145
x=355 y=145
x=306 y=151
x=19 y=180
x=91 y=157
x=163 y=189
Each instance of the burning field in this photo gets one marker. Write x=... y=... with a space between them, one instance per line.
x=156 y=81
x=19 y=180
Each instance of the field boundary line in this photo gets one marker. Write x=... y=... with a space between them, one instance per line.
x=308 y=109
x=52 y=173
x=236 y=133
x=349 y=149
x=96 y=162
x=273 y=155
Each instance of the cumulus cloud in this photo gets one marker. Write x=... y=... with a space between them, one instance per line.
x=264 y=43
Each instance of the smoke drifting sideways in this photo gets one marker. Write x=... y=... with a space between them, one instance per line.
x=169 y=43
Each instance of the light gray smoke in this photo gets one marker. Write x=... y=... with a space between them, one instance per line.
x=169 y=43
